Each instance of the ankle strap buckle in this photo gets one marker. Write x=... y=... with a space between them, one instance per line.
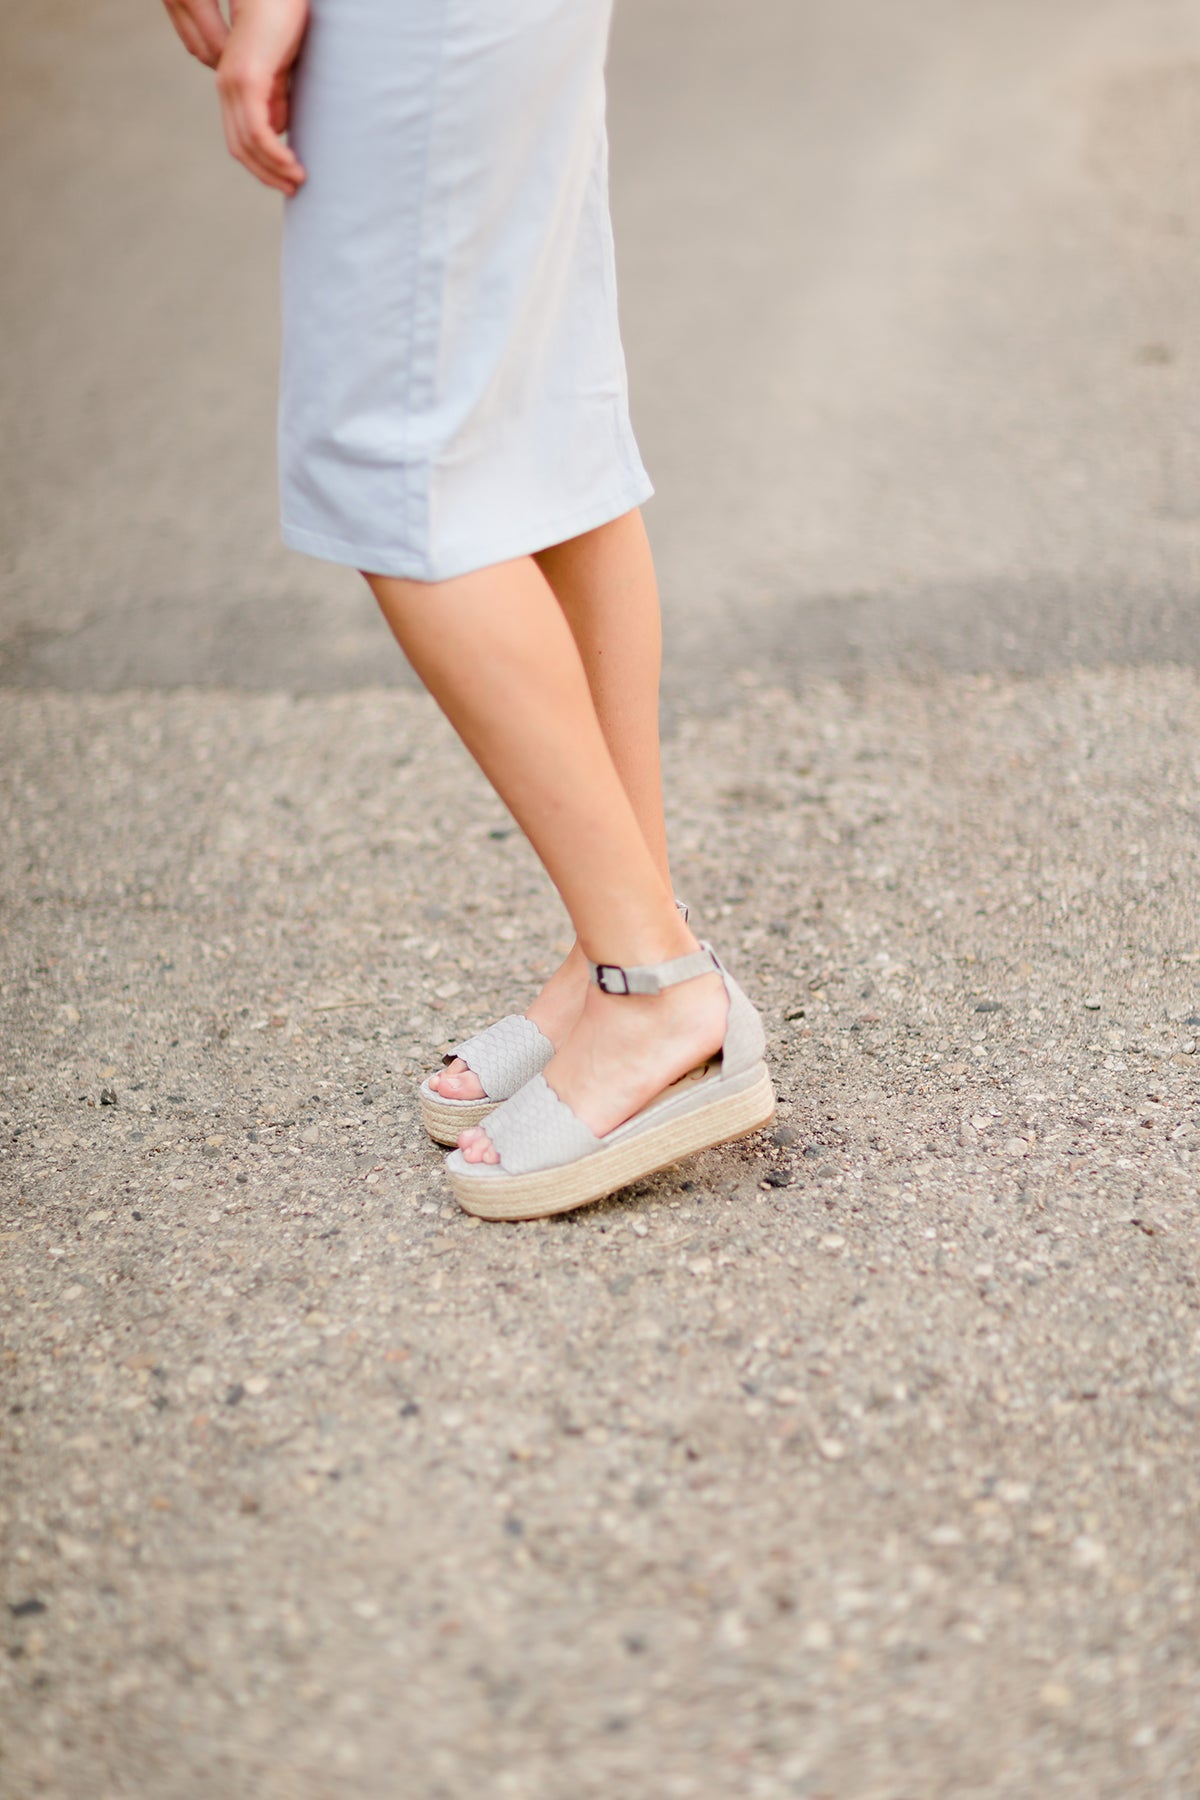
x=652 y=978
x=607 y=975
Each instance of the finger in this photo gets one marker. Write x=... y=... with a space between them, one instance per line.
x=191 y=39
x=279 y=106
x=206 y=15
x=246 y=154
x=250 y=138
x=253 y=106
x=269 y=150
x=201 y=27
x=237 y=142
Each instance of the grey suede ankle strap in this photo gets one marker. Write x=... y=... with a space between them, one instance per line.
x=652 y=978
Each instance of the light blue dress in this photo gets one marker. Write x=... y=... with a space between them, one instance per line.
x=453 y=387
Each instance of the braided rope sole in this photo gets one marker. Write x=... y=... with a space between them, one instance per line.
x=444 y=1119
x=719 y=1121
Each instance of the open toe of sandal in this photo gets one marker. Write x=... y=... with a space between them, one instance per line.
x=504 y=1057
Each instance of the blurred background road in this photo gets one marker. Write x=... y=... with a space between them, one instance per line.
x=911 y=299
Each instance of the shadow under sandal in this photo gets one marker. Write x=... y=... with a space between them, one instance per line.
x=550 y=1161
x=504 y=1057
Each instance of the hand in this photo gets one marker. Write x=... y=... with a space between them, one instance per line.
x=253 y=80
x=201 y=27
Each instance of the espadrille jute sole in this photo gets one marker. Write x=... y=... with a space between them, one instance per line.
x=728 y=1115
x=444 y=1119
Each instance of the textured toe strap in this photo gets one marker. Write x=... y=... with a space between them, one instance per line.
x=506 y=1055
x=536 y=1130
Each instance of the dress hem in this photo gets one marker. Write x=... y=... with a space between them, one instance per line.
x=404 y=565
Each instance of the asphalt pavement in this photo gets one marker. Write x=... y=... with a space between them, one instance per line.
x=857 y=1461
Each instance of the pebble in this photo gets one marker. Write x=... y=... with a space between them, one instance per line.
x=1092 y=1003
x=831 y=1449
x=989 y=1006
x=1013 y=1493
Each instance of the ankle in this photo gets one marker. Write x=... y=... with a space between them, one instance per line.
x=571 y=971
x=657 y=941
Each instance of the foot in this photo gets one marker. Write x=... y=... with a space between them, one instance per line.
x=555 y=1011
x=625 y=1049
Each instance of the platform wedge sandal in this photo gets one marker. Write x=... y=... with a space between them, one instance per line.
x=551 y=1162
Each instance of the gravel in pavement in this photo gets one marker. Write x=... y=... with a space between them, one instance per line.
x=855 y=1459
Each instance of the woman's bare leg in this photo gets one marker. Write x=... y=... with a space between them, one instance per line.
x=497 y=653
x=605 y=583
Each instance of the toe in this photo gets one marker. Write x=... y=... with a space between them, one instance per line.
x=476 y=1147
x=444 y=1074
x=458 y=1082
